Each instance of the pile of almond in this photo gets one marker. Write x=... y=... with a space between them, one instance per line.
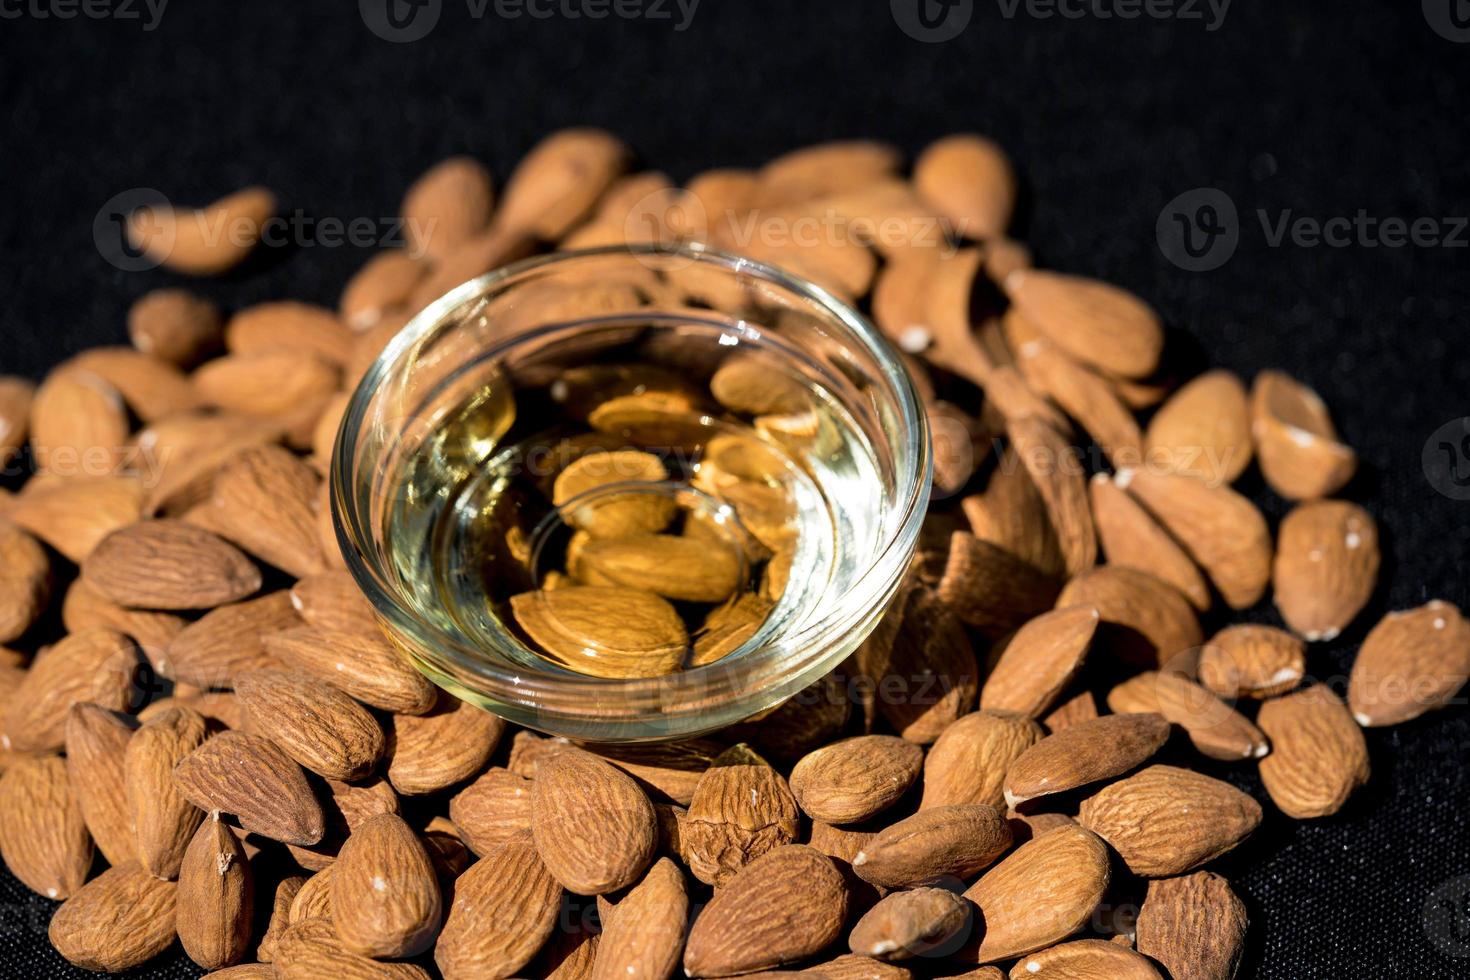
x=224 y=752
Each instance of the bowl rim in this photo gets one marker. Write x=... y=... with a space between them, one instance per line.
x=685 y=694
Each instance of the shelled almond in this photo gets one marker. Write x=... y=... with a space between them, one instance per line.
x=273 y=786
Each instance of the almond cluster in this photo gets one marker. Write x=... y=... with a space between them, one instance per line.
x=1023 y=771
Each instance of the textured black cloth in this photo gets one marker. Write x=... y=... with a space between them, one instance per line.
x=1290 y=108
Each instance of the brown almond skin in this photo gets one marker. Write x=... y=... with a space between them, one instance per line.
x=264 y=501
x=968 y=763
x=96 y=745
x=557 y=183
x=1297 y=446
x=1412 y=662
x=782 y=907
x=167 y=564
x=1084 y=958
x=211 y=651
x=1252 y=661
x=856 y=778
x=666 y=770
x=1045 y=454
x=121 y=919
x=332 y=601
x=991 y=589
x=364 y=665
x=190 y=241
x=1096 y=323
x=1144 y=621
x=84 y=609
x=1318 y=753
x=74 y=516
x=643 y=930
x=16 y=395
x=505 y=908
x=309 y=950
x=452 y=743
x=1130 y=537
x=447 y=204
x=492 y=810
x=314 y=899
x=289 y=325
x=164 y=820
x=250 y=777
x=286 y=891
x=909 y=923
x=593 y=826
x=43 y=838
x=1204 y=429
x=1087 y=752
x=1165 y=821
x=969 y=180
x=176 y=326
x=934 y=845
x=1039 y=661
x=850 y=966
x=1216 y=729
x=317 y=725
x=385 y=894
x=25 y=581
x=1326 y=567
x=1194 y=926
x=95 y=665
x=78 y=424
x=930 y=677
x=1040 y=894
x=741 y=809
x=215 y=898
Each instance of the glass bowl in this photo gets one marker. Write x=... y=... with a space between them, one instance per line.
x=404 y=456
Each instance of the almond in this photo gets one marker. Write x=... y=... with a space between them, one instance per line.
x=215 y=895
x=1077 y=709
x=215 y=649
x=557 y=183
x=266 y=384
x=43 y=837
x=96 y=665
x=84 y=608
x=960 y=443
x=666 y=769
x=333 y=601
x=313 y=722
x=1194 y=926
x=96 y=744
x=1085 y=958
x=264 y=501
x=1011 y=515
x=1252 y=661
x=286 y=892
x=492 y=810
x=1165 y=821
x=968 y=179
x=452 y=743
x=121 y=919
x=287 y=325
x=1087 y=752
x=74 y=516
x=167 y=564
x=1221 y=530
x=382 y=287
x=1131 y=538
x=385 y=896
x=1318 y=754
x=1412 y=662
x=1059 y=478
x=176 y=326
x=930 y=676
x=855 y=778
x=152 y=387
x=79 y=425
x=1144 y=621
x=186 y=451
x=1039 y=661
x=679 y=568
x=314 y=900
x=163 y=819
x=1041 y=893
x=910 y=923
x=621 y=515
x=505 y=907
x=364 y=665
x=16 y=396
x=1326 y=567
x=204 y=242
x=933 y=846
x=1098 y=324
x=969 y=761
x=1203 y=430
x=756 y=386
x=825 y=168
x=850 y=966
x=643 y=930
x=782 y=907
x=593 y=826
x=604 y=631
x=310 y=949
x=1216 y=729
x=250 y=777
x=989 y=588
x=25 y=581
x=741 y=809
x=447 y=205
x=1301 y=456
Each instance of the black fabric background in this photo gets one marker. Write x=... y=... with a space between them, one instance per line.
x=1315 y=109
